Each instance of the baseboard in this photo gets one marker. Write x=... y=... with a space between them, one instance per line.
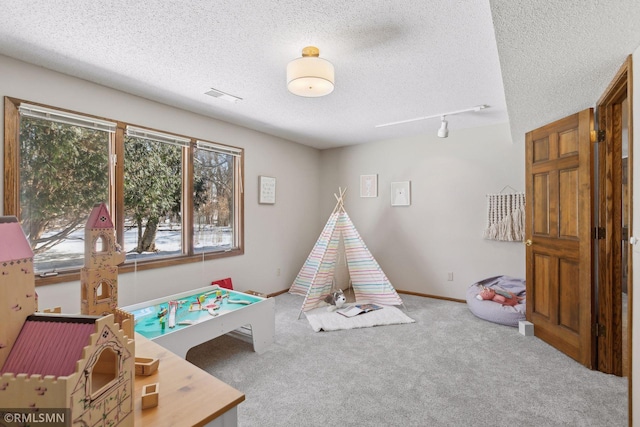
x=430 y=296
x=275 y=294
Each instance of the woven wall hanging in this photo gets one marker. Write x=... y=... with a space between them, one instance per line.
x=505 y=217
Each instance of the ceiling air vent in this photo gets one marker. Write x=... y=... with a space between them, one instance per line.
x=221 y=95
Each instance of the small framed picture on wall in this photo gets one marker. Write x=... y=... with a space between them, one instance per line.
x=368 y=185
x=401 y=193
x=267 y=190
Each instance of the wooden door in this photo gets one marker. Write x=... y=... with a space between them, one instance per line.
x=558 y=228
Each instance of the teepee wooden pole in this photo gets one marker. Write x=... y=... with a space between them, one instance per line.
x=340 y=199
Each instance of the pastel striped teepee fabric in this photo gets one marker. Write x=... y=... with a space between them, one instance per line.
x=315 y=279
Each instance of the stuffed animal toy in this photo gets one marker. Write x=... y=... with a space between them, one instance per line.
x=499 y=296
x=335 y=300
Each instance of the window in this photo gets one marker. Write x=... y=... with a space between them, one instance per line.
x=64 y=170
x=173 y=199
x=153 y=193
x=214 y=197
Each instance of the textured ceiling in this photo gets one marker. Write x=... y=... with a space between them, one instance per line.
x=394 y=60
x=558 y=57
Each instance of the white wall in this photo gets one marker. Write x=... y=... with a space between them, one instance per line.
x=441 y=232
x=276 y=236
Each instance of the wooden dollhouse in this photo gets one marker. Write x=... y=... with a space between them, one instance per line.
x=17 y=286
x=99 y=277
x=83 y=363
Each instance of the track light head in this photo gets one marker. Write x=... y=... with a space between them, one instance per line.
x=443 y=132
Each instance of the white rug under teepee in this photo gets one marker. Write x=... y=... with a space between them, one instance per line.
x=322 y=320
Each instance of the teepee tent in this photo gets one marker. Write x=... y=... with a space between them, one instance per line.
x=315 y=279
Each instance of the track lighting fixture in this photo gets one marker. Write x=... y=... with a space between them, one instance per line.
x=443 y=132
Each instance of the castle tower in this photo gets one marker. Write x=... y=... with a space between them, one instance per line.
x=99 y=277
x=17 y=284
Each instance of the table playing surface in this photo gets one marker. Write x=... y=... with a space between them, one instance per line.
x=192 y=307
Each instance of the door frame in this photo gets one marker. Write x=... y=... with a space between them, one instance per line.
x=609 y=249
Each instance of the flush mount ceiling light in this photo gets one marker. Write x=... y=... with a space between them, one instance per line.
x=310 y=76
x=443 y=132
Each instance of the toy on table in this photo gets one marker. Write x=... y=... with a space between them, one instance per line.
x=163 y=312
x=199 y=303
x=220 y=294
x=238 y=301
x=146 y=365
x=499 y=296
x=69 y=355
x=173 y=307
x=150 y=394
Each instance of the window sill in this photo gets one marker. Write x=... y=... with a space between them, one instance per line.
x=128 y=267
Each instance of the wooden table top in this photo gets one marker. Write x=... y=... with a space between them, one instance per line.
x=188 y=395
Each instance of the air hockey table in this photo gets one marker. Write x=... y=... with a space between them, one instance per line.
x=181 y=321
